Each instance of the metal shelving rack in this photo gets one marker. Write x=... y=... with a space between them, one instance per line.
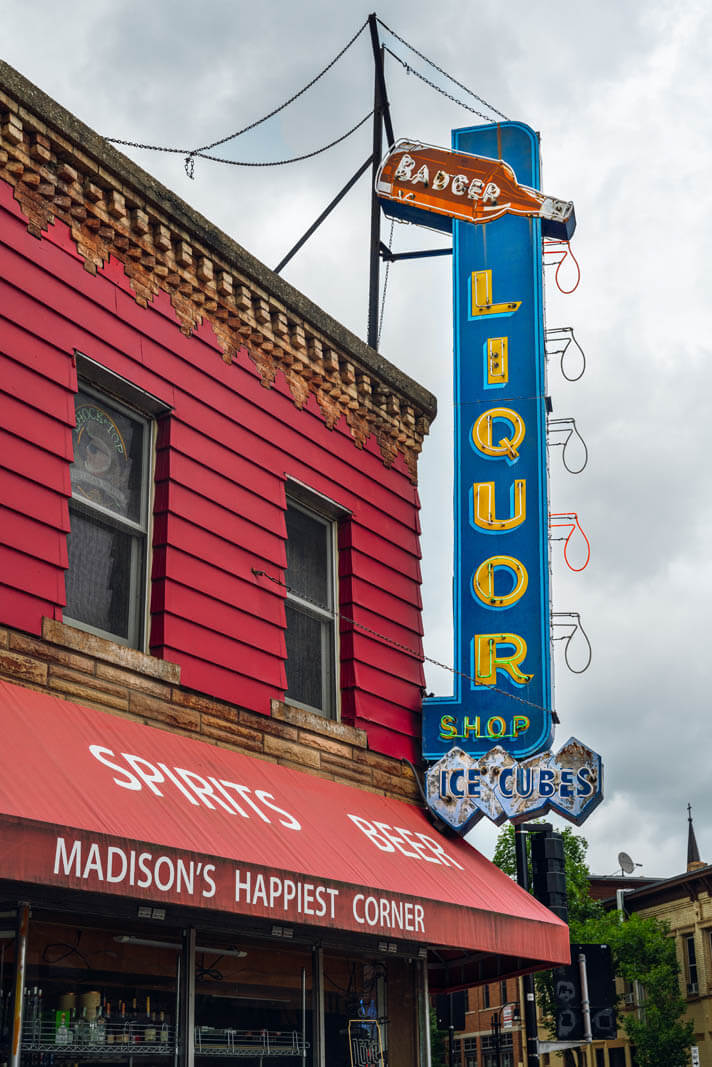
x=128 y=1041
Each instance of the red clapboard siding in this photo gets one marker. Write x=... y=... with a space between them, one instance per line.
x=33 y=500
x=278 y=447
x=380 y=601
x=239 y=485
x=218 y=648
x=224 y=619
x=215 y=550
x=35 y=354
x=403 y=557
x=29 y=459
x=382 y=656
x=226 y=522
x=32 y=425
x=387 y=628
x=224 y=453
x=392 y=716
x=254 y=596
x=381 y=739
x=379 y=683
x=25 y=572
x=21 y=609
x=206 y=677
x=374 y=709
x=381 y=575
x=36 y=539
x=34 y=391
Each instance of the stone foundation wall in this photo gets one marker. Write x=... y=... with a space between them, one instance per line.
x=73 y=665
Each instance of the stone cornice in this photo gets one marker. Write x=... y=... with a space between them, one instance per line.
x=61 y=169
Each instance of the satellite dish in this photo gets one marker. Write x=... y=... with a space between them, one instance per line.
x=626 y=863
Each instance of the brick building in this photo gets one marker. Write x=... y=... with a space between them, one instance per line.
x=210 y=649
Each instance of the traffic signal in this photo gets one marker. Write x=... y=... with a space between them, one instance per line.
x=450 y=1010
x=601 y=995
x=549 y=870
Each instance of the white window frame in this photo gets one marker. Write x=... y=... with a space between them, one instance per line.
x=106 y=387
x=328 y=513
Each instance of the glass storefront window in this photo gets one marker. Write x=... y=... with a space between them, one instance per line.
x=97 y=991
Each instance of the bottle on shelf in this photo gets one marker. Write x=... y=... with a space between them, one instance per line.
x=109 y=1028
x=163 y=1033
x=82 y=1030
x=63 y=1034
x=125 y=1035
x=98 y=1027
x=149 y=1024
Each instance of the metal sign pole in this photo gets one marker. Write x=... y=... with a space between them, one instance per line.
x=381 y=118
x=530 y=1027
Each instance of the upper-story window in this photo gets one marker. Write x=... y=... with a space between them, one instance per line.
x=688 y=944
x=106 y=583
x=311 y=636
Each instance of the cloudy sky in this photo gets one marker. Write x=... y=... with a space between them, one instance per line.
x=620 y=92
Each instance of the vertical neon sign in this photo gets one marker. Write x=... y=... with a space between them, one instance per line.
x=501 y=593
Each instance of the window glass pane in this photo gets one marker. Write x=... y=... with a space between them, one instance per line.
x=108 y=457
x=308 y=557
x=309 y=659
x=691 y=959
x=98 y=581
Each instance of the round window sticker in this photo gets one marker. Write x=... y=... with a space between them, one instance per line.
x=100 y=471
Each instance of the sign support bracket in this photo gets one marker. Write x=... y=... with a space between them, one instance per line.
x=425 y=253
x=325 y=213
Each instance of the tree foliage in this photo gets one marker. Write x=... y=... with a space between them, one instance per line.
x=438 y=1038
x=642 y=951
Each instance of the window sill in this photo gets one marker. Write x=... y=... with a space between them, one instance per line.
x=60 y=633
x=317 y=724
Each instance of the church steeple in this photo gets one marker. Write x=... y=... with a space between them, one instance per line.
x=693 y=853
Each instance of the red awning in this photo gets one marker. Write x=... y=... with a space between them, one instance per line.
x=92 y=801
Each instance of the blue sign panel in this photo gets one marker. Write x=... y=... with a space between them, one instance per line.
x=501 y=594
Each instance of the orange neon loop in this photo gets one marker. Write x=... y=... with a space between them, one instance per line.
x=570 y=521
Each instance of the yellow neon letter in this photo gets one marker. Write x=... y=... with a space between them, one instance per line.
x=483 y=581
x=488 y=662
x=507 y=447
x=483 y=506
x=482 y=297
x=497 y=360
x=448 y=727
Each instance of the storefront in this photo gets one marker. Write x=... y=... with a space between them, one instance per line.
x=166 y=898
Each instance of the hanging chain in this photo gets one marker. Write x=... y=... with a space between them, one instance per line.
x=444 y=73
x=390 y=641
x=385 y=287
